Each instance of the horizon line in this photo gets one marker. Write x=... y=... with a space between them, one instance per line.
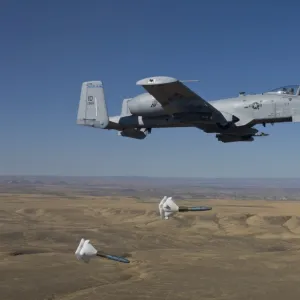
x=142 y=176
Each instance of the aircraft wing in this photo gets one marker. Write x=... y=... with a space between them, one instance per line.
x=176 y=97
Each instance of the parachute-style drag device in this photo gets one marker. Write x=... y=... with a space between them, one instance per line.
x=86 y=251
x=168 y=207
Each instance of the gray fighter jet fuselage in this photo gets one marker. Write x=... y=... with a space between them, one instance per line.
x=169 y=103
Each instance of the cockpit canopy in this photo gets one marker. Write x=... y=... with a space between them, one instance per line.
x=286 y=90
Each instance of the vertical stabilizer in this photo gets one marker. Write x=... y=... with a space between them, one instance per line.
x=125 y=110
x=92 y=109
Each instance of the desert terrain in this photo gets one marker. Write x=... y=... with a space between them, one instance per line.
x=238 y=250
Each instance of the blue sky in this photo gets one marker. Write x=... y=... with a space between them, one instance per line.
x=48 y=48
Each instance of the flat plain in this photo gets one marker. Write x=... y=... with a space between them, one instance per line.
x=238 y=250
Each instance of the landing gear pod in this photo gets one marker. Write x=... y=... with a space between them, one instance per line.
x=86 y=251
x=168 y=207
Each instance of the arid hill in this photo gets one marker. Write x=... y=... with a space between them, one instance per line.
x=239 y=250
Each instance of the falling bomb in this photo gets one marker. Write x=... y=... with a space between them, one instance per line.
x=168 y=207
x=86 y=251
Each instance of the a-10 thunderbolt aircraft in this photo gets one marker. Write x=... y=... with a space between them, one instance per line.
x=170 y=103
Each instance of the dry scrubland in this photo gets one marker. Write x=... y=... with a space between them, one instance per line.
x=239 y=250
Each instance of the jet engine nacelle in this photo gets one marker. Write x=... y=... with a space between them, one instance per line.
x=133 y=133
x=145 y=105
